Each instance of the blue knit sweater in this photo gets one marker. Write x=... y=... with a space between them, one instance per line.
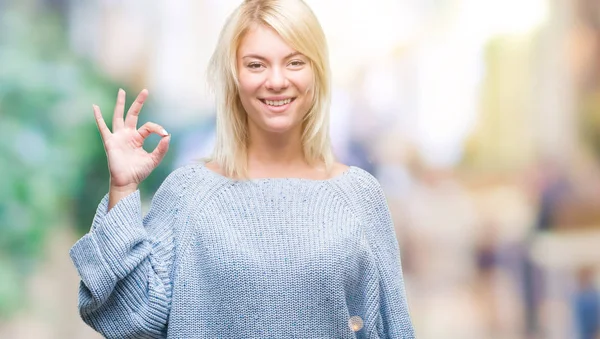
x=263 y=258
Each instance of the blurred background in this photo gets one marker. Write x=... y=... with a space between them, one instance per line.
x=480 y=118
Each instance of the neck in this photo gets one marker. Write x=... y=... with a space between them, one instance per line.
x=274 y=154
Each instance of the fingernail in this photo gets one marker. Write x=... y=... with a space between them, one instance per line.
x=164 y=132
x=121 y=90
x=94 y=106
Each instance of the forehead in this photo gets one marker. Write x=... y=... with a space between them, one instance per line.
x=264 y=41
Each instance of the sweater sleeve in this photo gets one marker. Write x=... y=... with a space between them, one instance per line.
x=395 y=317
x=124 y=263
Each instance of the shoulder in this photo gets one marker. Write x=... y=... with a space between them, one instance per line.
x=358 y=180
x=180 y=175
x=338 y=169
x=215 y=167
x=361 y=190
x=186 y=179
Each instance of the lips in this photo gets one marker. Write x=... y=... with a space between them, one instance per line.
x=277 y=106
x=277 y=102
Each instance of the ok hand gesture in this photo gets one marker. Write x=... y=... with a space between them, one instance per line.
x=128 y=163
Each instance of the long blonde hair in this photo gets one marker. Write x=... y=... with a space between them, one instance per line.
x=297 y=25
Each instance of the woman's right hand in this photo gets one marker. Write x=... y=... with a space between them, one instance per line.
x=128 y=163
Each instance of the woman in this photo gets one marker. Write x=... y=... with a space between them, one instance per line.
x=270 y=238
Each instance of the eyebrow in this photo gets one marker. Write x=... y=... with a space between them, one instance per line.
x=256 y=56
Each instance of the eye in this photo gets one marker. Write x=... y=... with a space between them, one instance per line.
x=297 y=63
x=254 y=65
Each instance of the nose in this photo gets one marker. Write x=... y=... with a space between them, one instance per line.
x=277 y=80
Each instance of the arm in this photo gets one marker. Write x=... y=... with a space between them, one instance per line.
x=393 y=304
x=124 y=263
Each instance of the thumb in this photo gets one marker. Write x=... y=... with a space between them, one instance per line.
x=161 y=149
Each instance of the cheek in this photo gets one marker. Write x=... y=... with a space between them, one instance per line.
x=249 y=85
x=244 y=91
x=306 y=84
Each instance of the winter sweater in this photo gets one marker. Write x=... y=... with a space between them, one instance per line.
x=261 y=258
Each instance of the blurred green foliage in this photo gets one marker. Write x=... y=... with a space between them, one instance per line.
x=53 y=169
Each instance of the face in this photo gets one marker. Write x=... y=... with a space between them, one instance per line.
x=276 y=82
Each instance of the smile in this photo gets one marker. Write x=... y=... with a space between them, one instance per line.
x=277 y=103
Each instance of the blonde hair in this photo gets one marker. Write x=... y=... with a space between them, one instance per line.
x=297 y=25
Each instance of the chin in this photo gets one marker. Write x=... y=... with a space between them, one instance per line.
x=279 y=129
x=279 y=125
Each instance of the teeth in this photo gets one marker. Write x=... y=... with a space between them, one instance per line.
x=278 y=102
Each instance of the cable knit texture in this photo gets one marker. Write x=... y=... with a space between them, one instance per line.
x=262 y=258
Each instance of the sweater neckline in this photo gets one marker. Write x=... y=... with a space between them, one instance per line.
x=221 y=177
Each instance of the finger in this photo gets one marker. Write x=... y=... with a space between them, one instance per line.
x=149 y=128
x=161 y=149
x=104 y=131
x=119 y=109
x=131 y=119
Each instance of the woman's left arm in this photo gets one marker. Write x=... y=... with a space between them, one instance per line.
x=394 y=311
